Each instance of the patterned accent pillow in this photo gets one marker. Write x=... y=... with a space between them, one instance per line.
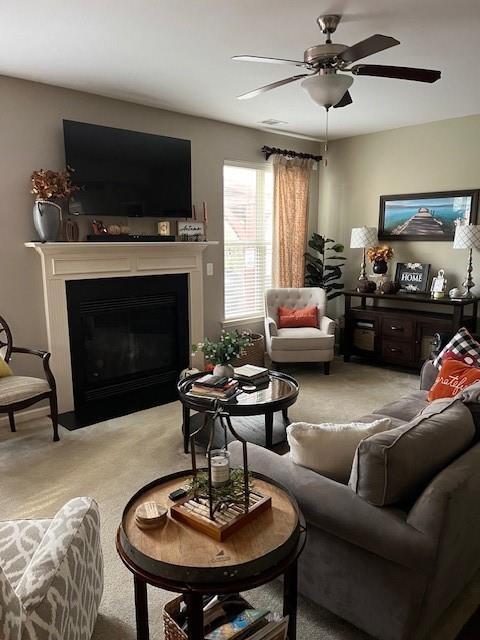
x=462 y=344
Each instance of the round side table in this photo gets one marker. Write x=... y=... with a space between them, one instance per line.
x=181 y=559
x=249 y=408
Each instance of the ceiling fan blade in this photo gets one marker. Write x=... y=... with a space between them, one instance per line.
x=367 y=47
x=297 y=63
x=273 y=85
x=345 y=101
x=399 y=73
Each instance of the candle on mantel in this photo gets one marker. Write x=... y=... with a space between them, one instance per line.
x=194 y=212
x=205 y=212
x=220 y=462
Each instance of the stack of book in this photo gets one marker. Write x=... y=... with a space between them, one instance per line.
x=250 y=374
x=210 y=386
x=231 y=617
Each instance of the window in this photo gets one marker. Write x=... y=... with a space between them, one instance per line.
x=248 y=222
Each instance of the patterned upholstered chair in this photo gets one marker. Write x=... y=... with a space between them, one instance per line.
x=302 y=344
x=20 y=392
x=51 y=574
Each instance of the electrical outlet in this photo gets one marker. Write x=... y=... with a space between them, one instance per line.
x=209 y=268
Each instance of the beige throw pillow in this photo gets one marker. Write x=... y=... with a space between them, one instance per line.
x=328 y=448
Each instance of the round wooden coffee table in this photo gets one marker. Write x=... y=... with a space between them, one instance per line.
x=251 y=410
x=181 y=559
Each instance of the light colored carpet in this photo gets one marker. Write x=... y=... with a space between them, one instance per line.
x=113 y=459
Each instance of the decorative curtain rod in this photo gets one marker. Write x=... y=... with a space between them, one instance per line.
x=269 y=151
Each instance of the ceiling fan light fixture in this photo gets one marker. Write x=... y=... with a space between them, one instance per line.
x=326 y=89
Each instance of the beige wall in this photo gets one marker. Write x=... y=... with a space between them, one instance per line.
x=31 y=137
x=432 y=157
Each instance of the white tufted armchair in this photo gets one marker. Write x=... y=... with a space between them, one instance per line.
x=303 y=344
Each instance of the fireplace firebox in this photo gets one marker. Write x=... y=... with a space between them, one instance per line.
x=129 y=340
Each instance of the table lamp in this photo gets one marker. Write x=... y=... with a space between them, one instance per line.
x=467 y=236
x=363 y=237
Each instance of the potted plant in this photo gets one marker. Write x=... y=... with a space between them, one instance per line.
x=380 y=257
x=221 y=353
x=324 y=266
x=50 y=188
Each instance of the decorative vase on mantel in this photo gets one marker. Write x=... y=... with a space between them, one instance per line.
x=47 y=217
x=380 y=267
x=223 y=370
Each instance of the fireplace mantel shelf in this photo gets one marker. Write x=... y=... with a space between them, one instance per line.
x=99 y=246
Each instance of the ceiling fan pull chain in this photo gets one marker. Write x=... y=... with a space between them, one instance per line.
x=325 y=161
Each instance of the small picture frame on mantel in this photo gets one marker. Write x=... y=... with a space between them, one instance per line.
x=412 y=276
x=191 y=231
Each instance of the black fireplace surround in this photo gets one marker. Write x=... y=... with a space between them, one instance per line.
x=129 y=340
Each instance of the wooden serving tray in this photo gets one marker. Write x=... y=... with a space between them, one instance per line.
x=226 y=522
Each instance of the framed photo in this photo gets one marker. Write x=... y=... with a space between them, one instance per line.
x=191 y=231
x=164 y=228
x=426 y=216
x=412 y=277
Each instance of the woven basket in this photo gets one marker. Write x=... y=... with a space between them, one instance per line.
x=254 y=354
x=171 y=629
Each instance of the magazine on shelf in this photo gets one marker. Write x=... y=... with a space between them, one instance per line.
x=237 y=628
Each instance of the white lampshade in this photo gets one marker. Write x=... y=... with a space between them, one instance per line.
x=363 y=237
x=328 y=89
x=467 y=236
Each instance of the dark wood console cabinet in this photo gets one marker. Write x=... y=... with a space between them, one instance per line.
x=401 y=334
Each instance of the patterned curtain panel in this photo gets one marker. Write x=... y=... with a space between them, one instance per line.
x=291 y=188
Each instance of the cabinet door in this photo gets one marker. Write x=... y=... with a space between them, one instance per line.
x=424 y=332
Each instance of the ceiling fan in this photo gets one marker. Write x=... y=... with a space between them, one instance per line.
x=324 y=84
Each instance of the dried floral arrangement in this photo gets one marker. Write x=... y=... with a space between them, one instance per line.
x=231 y=345
x=377 y=254
x=53 y=185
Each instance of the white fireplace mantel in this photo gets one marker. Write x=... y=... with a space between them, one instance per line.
x=62 y=261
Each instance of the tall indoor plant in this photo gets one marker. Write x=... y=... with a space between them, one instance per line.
x=222 y=352
x=324 y=265
x=51 y=189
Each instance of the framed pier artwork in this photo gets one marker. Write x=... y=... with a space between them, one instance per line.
x=426 y=216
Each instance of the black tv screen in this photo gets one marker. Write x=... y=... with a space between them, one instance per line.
x=124 y=173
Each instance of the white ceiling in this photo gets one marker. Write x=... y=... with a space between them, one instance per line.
x=175 y=54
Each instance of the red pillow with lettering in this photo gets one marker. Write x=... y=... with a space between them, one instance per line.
x=293 y=318
x=452 y=378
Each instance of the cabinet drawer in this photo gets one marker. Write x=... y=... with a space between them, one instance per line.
x=397 y=327
x=396 y=351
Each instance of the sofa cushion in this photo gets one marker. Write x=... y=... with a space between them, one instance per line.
x=406 y=407
x=329 y=448
x=17 y=388
x=302 y=338
x=395 y=465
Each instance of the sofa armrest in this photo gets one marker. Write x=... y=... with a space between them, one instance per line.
x=68 y=556
x=336 y=509
x=428 y=375
x=11 y=614
x=327 y=325
x=270 y=327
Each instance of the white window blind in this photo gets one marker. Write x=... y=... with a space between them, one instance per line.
x=248 y=228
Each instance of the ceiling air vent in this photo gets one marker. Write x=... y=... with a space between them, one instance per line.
x=271 y=122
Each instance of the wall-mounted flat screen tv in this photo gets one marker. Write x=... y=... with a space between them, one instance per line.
x=125 y=173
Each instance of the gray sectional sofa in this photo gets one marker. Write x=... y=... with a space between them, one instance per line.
x=392 y=571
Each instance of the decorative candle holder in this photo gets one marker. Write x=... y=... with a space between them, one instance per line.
x=220 y=499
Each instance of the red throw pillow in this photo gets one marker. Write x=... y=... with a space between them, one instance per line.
x=292 y=318
x=452 y=378
x=460 y=357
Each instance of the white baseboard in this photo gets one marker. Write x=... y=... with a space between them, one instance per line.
x=26 y=415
